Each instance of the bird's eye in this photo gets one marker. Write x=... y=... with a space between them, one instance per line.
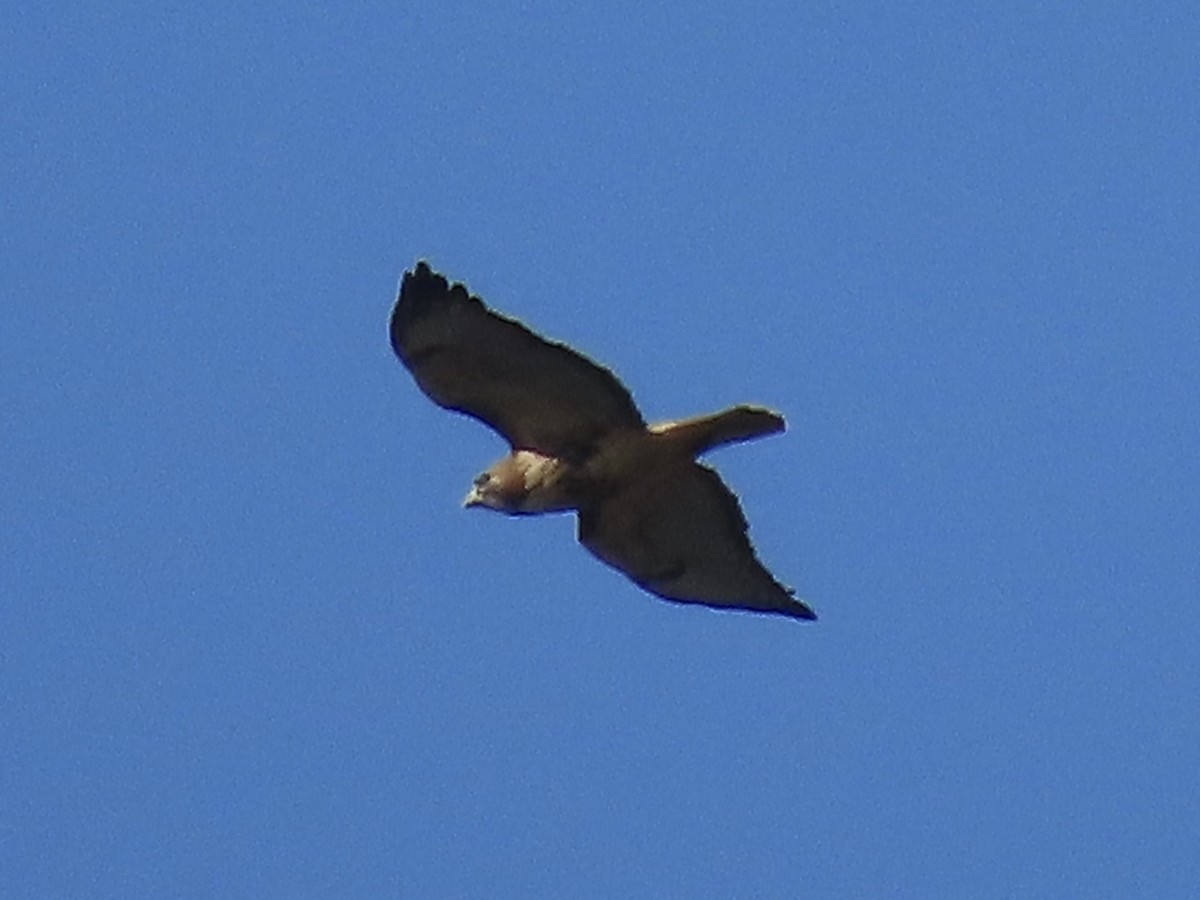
x=482 y=479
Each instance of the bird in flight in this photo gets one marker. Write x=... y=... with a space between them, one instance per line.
x=578 y=442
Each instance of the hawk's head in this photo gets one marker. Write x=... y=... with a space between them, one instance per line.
x=496 y=490
x=523 y=482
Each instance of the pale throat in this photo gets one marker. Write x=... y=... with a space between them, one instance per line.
x=542 y=477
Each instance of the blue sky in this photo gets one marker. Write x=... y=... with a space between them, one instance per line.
x=250 y=644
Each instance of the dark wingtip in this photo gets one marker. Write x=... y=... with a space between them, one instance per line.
x=422 y=285
x=795 y=609
x=419 y=288
x=422 y=279
x=421 y=291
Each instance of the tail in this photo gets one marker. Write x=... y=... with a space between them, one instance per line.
x=738 y=423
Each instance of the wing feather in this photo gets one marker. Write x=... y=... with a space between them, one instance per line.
x=682 y=535
x=537 y=394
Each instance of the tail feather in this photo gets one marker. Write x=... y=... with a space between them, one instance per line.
x=738 y=423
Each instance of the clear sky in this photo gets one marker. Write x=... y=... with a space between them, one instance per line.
x=250 y=644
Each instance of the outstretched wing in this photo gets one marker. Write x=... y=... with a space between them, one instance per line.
x=538 y=394
x=681 y=535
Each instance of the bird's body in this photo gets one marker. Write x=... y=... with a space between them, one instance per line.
x=645 y=506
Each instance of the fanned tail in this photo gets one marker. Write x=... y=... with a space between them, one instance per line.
x=738 y=423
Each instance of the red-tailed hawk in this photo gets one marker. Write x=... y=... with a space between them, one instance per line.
x=578 y=442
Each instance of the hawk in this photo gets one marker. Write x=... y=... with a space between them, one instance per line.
x=645 y=505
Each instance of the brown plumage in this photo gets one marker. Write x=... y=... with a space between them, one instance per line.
x=645 y=506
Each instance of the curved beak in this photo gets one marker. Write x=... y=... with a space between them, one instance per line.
x=472 y=499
